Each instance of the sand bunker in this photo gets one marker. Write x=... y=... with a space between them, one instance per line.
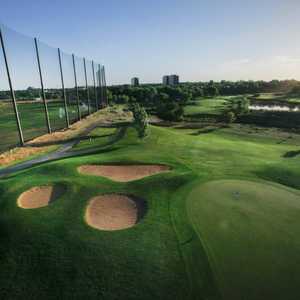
x=40 y=196
x=114 y=212
x=123 y=173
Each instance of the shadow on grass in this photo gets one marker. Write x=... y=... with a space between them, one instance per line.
x=204 y=131
x=283 y=174
x=291 y=154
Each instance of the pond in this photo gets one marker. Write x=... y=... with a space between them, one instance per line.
x=274 y=108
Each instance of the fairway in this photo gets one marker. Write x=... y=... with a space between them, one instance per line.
x=250 y=231
x=210 y=106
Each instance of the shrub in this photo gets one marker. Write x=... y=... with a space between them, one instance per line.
x=229 y=117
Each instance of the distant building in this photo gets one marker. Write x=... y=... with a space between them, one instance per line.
x=171 y=80
x=166 y=80
x=135 y=81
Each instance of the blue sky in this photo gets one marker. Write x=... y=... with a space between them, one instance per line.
x=197 y=39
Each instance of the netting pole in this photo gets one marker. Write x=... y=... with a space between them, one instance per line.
x=100 y=85
x=87 y=87
x=95 y=87
x=42 y=86
x=12 y=92
x=105 y=87
x=63 y=88
x=76 y=87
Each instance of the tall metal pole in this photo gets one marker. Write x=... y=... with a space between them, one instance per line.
x=105 y=87
x=76 y=87
x=42 y=86
x=100 y=85
x=95 y=88
x=87 y=87
x=63 y=88
x=12 y=93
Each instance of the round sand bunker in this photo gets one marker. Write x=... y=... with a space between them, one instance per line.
x=123 y=173
x=40 y=196
x=114 y=212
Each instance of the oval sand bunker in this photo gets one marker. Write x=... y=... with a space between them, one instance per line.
x=40 y=196
x=114 y=212
x=123 y=173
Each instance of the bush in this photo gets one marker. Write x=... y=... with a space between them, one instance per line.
x=170 y=111
x=140 y=119
x=229 y=117
x=240 y=106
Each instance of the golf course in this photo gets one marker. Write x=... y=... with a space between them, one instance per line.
x=149 y=150
x=187 y=212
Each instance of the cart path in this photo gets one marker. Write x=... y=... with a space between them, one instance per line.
x=62 y=152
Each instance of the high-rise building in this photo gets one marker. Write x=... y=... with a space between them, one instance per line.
x=135 y=81
x=166 y=80
x=171 y=80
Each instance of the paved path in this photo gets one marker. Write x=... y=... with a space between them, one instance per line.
x=62 y=152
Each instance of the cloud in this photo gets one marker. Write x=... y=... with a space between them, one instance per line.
x=235 y=63
x=267 y=68
x=286 y=60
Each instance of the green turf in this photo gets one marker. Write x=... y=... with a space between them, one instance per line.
x=98 y=137
x=50 y=253
x=250 y=231
x=211 y=106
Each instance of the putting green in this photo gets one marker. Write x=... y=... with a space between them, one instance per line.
x=251 y=234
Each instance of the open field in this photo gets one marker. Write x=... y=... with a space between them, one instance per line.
x=240 y=177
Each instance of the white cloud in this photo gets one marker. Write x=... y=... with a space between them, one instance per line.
x=235 y=63
x=286 y=60
x=266 y=68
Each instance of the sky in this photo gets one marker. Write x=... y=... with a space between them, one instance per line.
x=199 y=40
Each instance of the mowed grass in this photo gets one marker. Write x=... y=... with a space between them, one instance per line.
x=51 y=253
x=250 y=231
x=206 y=106
x=98 y=137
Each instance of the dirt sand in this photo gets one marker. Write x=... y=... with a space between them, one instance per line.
x=123 y=173
x=114 y=212
x=40 y=196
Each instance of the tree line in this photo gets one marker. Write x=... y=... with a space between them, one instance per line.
x=167 y=102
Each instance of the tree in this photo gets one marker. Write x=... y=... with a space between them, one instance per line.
x=140 y=119
x=212 y=91
x=170 y=111
x=240 y=106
